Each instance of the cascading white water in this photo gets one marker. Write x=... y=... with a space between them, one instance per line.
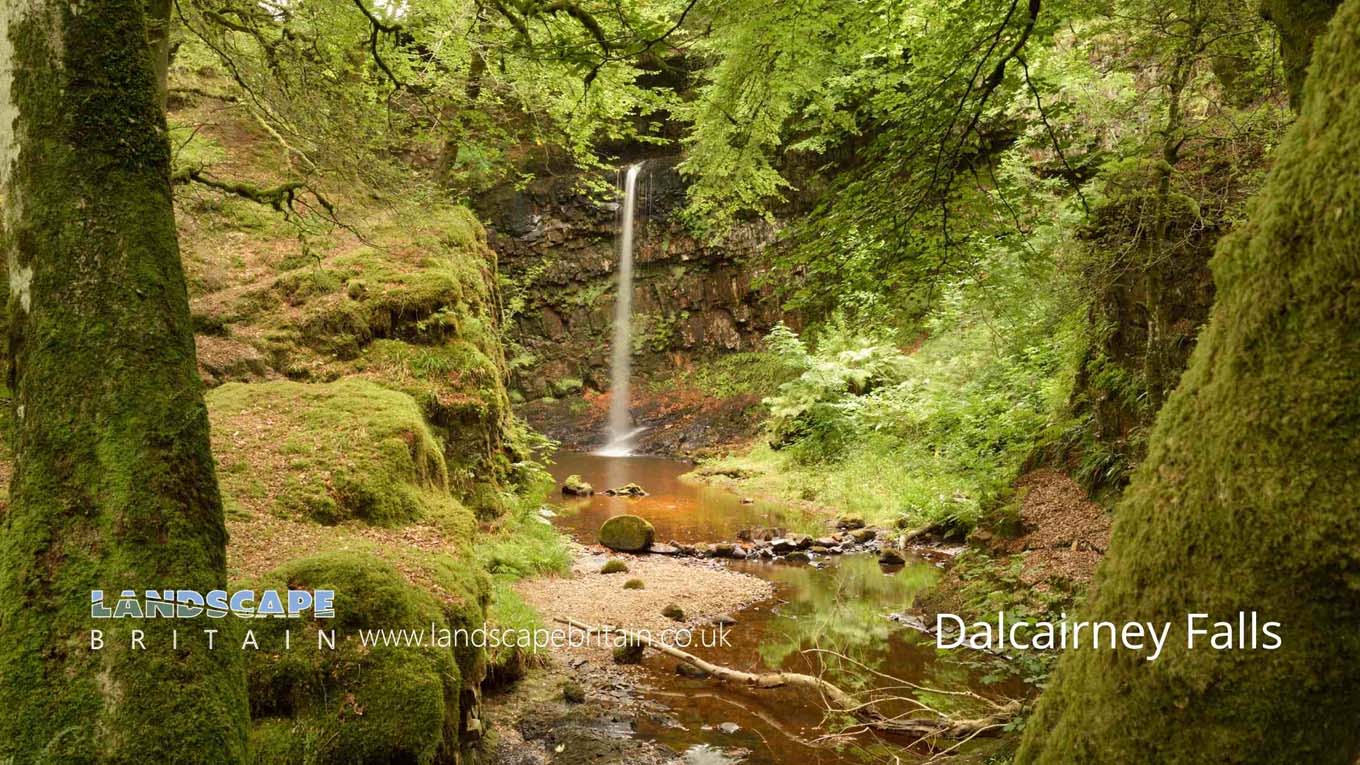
x=620 y=436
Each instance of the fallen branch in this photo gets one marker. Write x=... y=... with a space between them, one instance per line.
x=836 y=699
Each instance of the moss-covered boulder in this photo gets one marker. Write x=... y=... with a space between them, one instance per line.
x=576 y=486
x=614 y=566
x=629 y=653
x=375 y=703
x=627 y=490
x=331 y=452
x=627 y=533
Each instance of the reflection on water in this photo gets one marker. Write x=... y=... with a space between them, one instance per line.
x=841 y=608
x=685 y=511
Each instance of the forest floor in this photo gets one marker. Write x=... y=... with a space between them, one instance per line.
x=1063 y=534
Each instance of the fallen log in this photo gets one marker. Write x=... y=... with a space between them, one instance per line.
x=931 y=724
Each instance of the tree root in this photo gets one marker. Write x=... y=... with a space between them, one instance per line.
x=922 y=722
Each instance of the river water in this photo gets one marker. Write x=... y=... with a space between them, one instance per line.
x=842 y=606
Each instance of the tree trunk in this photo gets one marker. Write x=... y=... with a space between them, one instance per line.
x=1300 y=22
x=1247 y=501
x=114 y=486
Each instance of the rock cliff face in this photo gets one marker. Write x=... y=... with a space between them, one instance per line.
x=690 y=297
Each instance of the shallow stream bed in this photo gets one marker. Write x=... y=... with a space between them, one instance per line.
x=837 y=603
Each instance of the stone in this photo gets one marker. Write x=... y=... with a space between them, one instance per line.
x=783 y=545
x=849 y=522
x=664 y=550
x=614 y=566
x=739 y=553
x=575 y=486
x=573 y=693
x=863 y=535
x=690 y=671
x=801 y=541
x=820 y=550
x=628 y=653
x=825 y=542
x=721 y=550
x=798 y=556
x=729 y=728
x=634 y=584
x=674 y=613
x=890 y=557
x=627 y=533
x=723 y=620
x=627 y=490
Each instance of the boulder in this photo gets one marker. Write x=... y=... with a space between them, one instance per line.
x=798 y=556
x=689 y=670
x=628 y=653
x=890 y=557
x=627 y=533
x=627 y=490
x=863 y=535
x=575 y=486
x=674 y=613
x=721 y=550
x=849 y=522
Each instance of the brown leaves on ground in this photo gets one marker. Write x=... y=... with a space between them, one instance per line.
x=1065 y=533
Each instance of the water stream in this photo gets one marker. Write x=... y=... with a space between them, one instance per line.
x=843 y=605
x=619 y=439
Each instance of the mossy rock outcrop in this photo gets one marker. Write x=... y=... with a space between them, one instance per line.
x=627 y=533
x=376 y=703
x=332 y=452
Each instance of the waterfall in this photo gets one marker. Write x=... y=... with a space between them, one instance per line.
x=619 y=439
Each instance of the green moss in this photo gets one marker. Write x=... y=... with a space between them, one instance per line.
x=567 y=386
x=367 y=704
x=192 y=148
x=614 y=566
x=627 y=533
x=634 y=584
x=115 y=485
x=520 y=545
x=333 y=452
x=1246 y=502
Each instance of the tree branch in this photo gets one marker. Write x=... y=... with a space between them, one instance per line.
x=837 y=700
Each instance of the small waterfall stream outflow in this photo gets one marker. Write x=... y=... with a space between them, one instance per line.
x=619 y=438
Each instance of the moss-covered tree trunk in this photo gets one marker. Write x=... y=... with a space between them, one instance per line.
x=1248 y=498
x=1300 y=22
x=113 y=486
